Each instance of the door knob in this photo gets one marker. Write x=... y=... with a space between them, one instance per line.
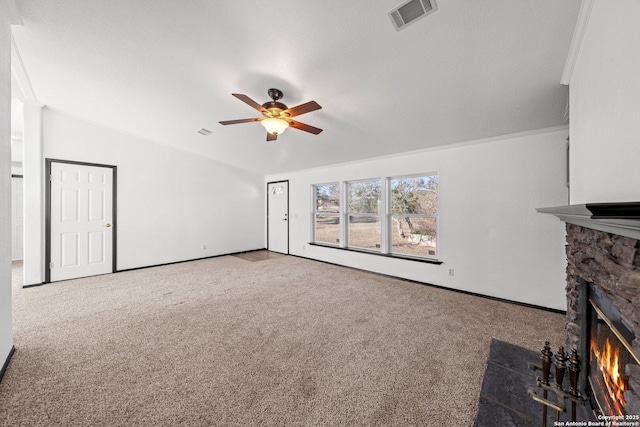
x=107 y=225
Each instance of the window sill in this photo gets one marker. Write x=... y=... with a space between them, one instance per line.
x=395 y=256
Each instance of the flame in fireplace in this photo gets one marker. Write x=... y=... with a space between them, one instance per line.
x=607 y=359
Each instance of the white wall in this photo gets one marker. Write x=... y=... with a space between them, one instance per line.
x=170 y=202
x=605 y=106
x=6 y=330
x=490 y=232
x=33 y=166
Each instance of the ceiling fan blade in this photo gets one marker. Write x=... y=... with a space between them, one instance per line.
x=303 y=108
x=271 y=137
x=304 y=127
x=250 y=102
x=234 y=122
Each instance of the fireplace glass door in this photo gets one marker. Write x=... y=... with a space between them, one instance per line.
x=609 y=358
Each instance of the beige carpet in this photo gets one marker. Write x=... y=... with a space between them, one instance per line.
x=283 y=341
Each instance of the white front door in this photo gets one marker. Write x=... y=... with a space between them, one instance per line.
x=17 y=219
x=81 y=220
x=278 y=216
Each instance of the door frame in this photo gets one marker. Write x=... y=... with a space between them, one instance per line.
x=20 y=176
x=47 y=234
x=288 y=216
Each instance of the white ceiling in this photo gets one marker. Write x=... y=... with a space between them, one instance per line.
x=162 y=69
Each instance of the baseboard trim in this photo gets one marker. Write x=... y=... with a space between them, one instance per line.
x=508 y=301
x=32 y=286
x=6 y=362
x=157 y=265
x=523 y=304
x=189 y=260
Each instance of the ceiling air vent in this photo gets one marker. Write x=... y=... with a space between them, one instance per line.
x=410 y=12
x=204 y=132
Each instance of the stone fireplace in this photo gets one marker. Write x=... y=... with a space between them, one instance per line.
x=603 y=301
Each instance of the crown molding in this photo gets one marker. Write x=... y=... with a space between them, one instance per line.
x=576 y=41
x=473 y=142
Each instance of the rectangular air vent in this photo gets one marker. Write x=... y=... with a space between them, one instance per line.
x=204 y=132
x=410 y=12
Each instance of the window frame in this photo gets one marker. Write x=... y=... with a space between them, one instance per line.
x=390 y=215
x=384 y=215
x=315 y=213
x=379 y=215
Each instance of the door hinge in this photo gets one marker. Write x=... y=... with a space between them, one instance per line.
x=50 y=265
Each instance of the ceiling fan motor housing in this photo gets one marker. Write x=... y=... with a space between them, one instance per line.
x=274 y=109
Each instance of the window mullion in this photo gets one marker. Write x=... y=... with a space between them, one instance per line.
x=344 y=215
x=384 y=219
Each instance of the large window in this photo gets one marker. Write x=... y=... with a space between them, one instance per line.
x=396 y=216
x=327 y=213
x=413 y=215
x=364 y=208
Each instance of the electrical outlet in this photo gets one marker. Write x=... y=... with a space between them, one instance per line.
x=451 y=272
x=204 y=247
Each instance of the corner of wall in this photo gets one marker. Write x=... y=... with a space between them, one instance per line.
x=6 y=328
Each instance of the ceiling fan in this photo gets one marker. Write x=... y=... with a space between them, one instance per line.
x=277 y=116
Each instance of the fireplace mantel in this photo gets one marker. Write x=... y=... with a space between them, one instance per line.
x=617 y=218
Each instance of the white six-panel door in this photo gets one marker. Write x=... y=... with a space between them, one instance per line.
x=81 y=221
x=278 y=221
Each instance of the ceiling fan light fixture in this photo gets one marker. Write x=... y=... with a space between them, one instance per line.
x=277 y=115
x=274 y=125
